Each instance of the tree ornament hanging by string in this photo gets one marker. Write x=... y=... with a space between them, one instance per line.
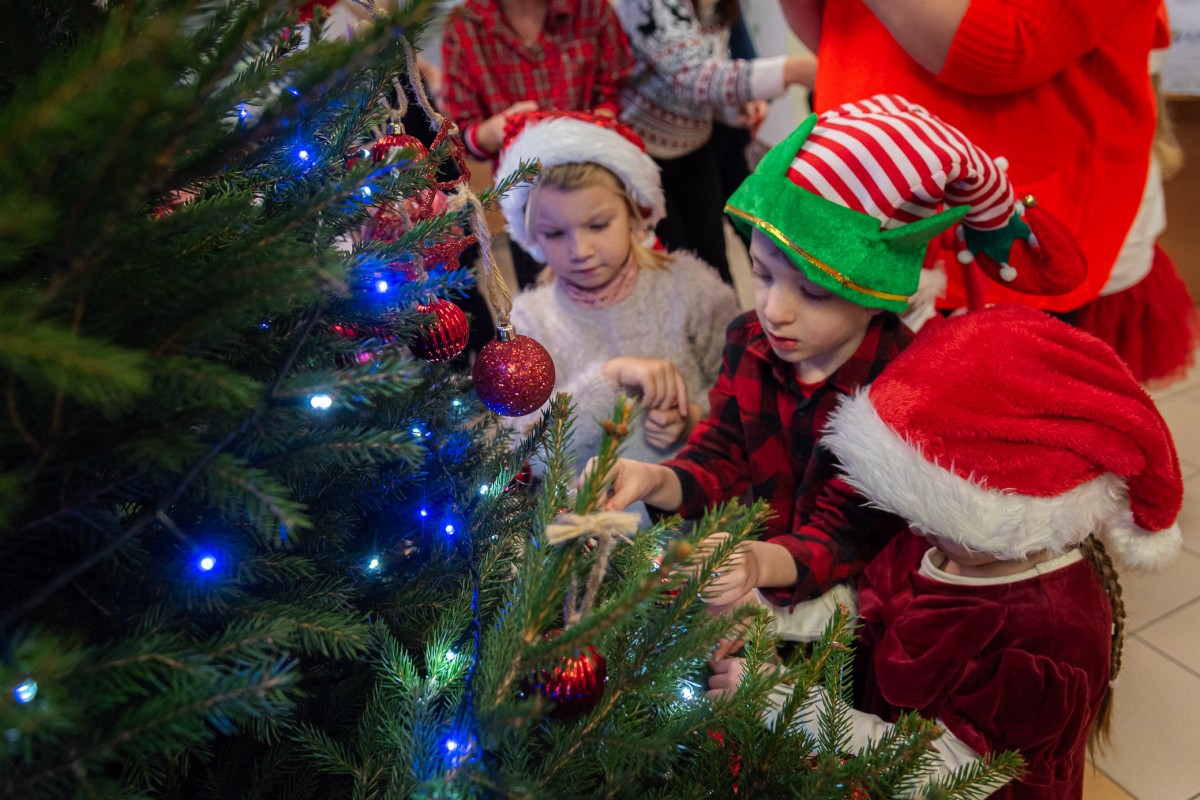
x=573 y=686
x=444 y=338
x=513 y=374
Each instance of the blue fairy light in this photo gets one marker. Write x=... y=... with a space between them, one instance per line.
x=424 y=512
x=381 y=286
x=451 y=745
x=25 y=691
x=374 y=564
x=303 y=155
x=365 y=191
x=451 y=655
x=483 y=488
x=416 y=431
x=206 y=563
x=295 y=92
x=456 y=402
x=450 y=530
x=687 y=692
x=321 y=402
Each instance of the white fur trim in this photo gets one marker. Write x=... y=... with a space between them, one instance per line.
x=1134 y=546
x=895 y=476
x=566 y=140
x=965 y=256
x=1008 y=272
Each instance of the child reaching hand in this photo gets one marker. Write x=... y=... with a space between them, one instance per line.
x=1019 y=450
x=839 y=215
x=615 y=314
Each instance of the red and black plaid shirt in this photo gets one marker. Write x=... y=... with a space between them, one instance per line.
x=577 y=64
x=760 y=441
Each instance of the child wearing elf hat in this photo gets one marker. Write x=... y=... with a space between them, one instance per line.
x=614 y=313
x=840 y=214
x=1022 y=454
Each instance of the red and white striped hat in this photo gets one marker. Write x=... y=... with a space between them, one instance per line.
x=911 y=175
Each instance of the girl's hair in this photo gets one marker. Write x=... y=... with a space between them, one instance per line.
x=1093 y=550
x=583 y=175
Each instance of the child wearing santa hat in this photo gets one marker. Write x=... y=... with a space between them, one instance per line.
x=1025 y=459
x=840 y=214
x=615 y=313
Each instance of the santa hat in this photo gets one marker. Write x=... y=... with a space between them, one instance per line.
x=571 y=137
x=854 y=196
x=1010 y=432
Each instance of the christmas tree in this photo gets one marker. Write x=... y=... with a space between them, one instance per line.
x=253 y=547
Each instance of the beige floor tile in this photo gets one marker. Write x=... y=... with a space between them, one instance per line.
x=1098 y=786
x=1155 y=749
x=1178 y=635
x=1151 y=595
x=1182 y=413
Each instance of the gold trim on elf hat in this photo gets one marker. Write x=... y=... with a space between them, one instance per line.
x=854 y=198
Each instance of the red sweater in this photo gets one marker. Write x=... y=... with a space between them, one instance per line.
x=1059 y=87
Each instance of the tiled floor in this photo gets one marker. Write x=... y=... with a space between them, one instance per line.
x=1155 y=748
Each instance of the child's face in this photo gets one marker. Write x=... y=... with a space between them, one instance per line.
x=807 y=326
x=585 y=233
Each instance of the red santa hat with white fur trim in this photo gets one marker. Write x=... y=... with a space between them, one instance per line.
x=1010 y=432
x=573 y=137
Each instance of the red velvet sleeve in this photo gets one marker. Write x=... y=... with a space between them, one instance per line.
x=1008 y=45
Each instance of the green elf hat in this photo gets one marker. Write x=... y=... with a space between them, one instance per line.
x=854 y=198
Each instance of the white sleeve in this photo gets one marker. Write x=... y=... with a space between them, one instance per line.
x=949 y=751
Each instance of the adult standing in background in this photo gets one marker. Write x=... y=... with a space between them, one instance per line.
x=685 y=78
x=506 y=56
x=1060 y=88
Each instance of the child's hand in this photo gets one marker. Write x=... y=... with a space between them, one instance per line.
x=665 y=427
x=490 y=133
x=637 y=480
x=660 y=382
x=727 y=674
x=751 y=565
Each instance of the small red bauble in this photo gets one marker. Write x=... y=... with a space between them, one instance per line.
x=574 y=686
x=513 y=374
x=444 y=339
x=383 y=147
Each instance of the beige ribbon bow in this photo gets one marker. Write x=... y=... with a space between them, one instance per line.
x=619 y=525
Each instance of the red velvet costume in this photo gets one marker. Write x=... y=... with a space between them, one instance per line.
x=1013 y=666
x=1060 y=88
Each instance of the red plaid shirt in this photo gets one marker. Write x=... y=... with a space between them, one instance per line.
x=760 y=441
x=577 y=64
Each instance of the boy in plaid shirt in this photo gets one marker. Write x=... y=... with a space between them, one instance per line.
x=839 y=214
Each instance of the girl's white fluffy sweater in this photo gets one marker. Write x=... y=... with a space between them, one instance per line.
x=677 y=314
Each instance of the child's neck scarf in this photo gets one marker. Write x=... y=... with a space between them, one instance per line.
x=611 y=293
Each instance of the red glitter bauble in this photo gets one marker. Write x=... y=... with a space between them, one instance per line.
x=383 y=146
x=513 y=374
x=573 y=686
x=444 y=339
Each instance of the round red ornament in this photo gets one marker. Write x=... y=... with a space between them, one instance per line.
x=383 y=146
x=444 y=339
x=573 y=686
x=513 y=374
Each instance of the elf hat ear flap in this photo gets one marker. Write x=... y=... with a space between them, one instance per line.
x=779 y=158
x=917 y=235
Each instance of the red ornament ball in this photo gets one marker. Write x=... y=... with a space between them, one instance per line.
x=444 y=339
x=513 y=374
x=573 y=686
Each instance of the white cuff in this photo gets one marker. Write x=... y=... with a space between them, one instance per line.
x=766 y=78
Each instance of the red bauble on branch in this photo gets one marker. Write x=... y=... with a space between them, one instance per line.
x=513 y=374
x=573 y=686
x=444 y=339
